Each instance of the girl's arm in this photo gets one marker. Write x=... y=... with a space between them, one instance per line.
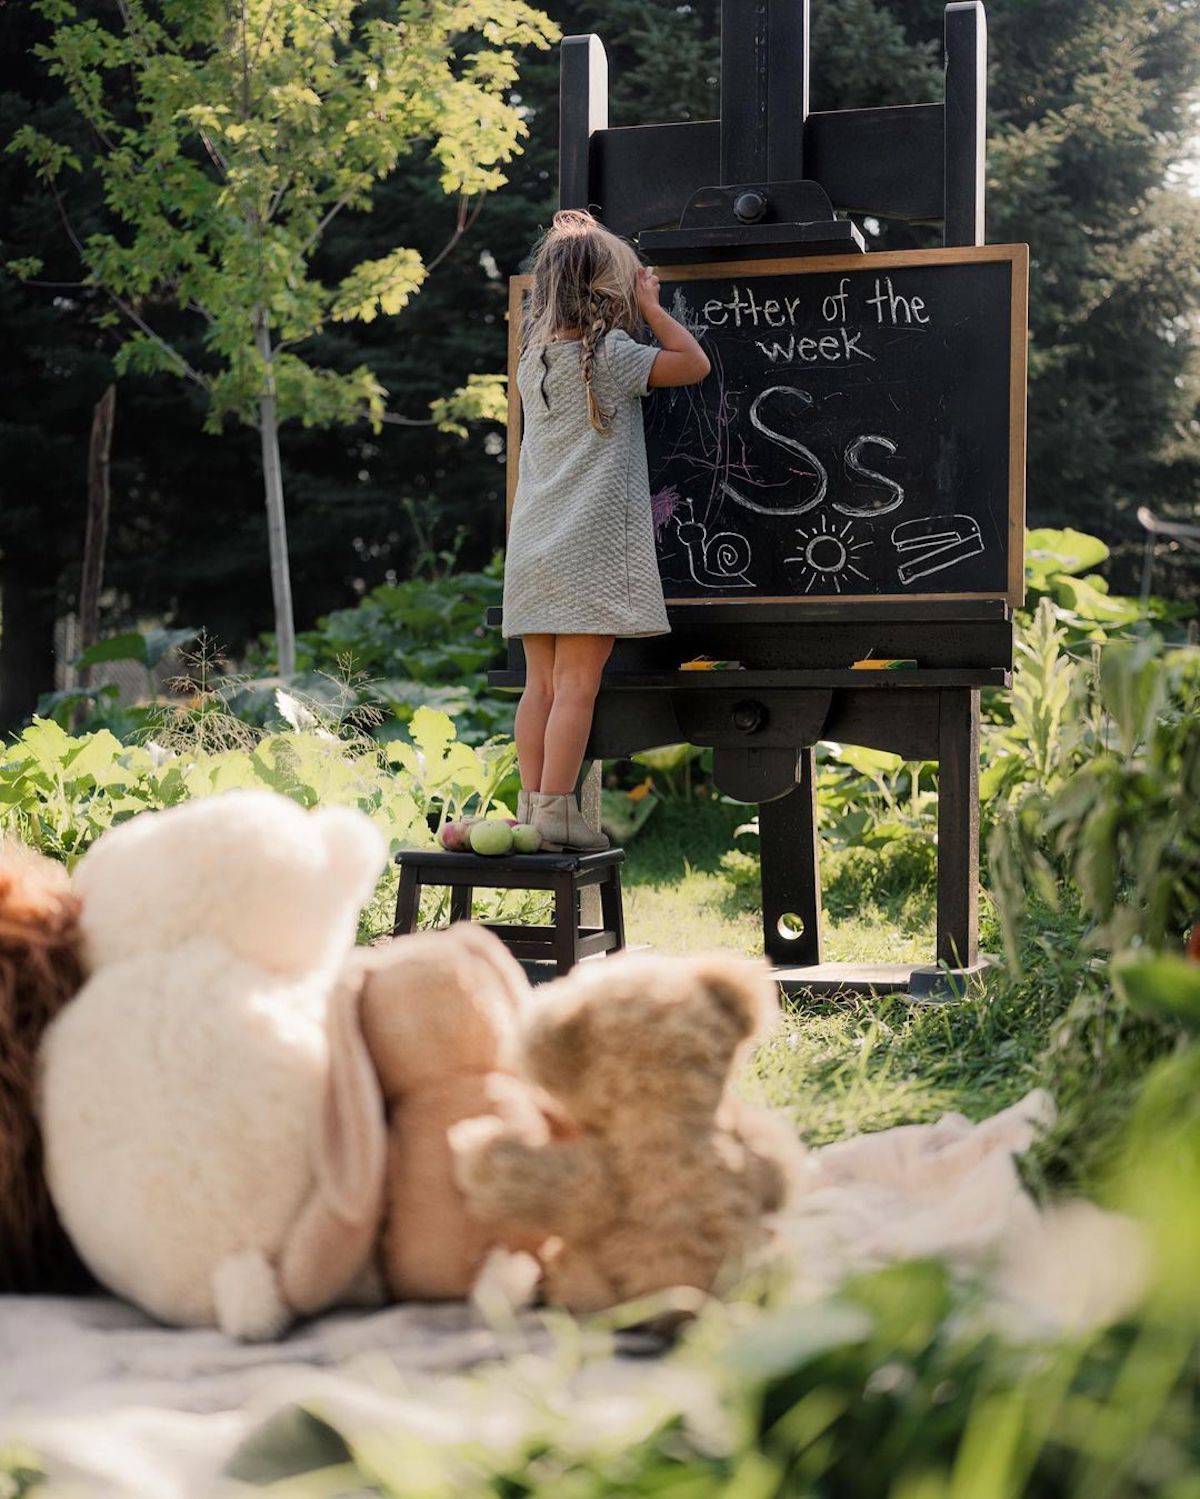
x=680 y=360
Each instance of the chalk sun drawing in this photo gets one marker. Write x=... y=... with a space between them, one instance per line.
x=932 y=543
x=827 y=556
x=718 y=561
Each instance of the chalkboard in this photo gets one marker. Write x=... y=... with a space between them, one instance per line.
x=860 y=434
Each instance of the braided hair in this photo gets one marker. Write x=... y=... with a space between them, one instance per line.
x=585 y=278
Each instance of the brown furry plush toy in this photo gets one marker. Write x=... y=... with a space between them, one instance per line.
x=672 y=1178
x=39 y=973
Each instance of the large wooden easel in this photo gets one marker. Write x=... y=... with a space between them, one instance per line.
x=763 y=180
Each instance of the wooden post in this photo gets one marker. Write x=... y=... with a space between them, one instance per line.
x=958 y=827
x=95 y=538
x=791 y=870
x=764 y=89
x=966 y=122
x=582 y=110
x=588 y=789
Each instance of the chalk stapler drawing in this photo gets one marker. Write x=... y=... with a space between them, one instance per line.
x=827 y=555
x=932 y=543
x=718 y=561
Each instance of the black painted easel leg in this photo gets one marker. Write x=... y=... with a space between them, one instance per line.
x=791 y=871
x=958 y=827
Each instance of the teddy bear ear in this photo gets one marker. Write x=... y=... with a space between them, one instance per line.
x=557 y=1042
x=741 y=988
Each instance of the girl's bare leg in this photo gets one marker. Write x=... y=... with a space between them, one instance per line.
x=578 y=663
x=534 y=708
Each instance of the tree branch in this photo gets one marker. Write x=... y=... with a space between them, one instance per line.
x=463 y=222
x=399 y=421
x=123 y=306
x=325 y=223
x=215 y=156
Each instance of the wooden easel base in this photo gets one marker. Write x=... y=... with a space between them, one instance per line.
x=922 y=983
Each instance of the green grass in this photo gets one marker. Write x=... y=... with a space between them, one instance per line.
x=849 y=1065
x=678 y=899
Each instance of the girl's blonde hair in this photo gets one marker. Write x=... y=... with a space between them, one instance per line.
x=584 y=277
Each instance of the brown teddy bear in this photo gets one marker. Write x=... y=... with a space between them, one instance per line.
x=671 y=1176
x=440 y=1014
x=39 y=973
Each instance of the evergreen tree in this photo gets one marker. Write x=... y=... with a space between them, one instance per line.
x=1088 y=111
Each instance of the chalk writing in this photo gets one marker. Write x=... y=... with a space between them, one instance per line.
x=852 y=438
x=854 y=466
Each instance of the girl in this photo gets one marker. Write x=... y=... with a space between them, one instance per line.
x=580 y=568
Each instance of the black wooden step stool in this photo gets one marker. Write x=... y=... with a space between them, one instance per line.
x=566 y=874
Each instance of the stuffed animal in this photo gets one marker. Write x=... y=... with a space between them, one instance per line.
x=213 y=1128
x=440 y=1016
x=39 y=972
x=671 y=1177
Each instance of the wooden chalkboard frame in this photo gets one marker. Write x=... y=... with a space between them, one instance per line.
x=1017 y=257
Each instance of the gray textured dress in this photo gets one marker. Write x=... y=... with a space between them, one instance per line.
x=580 y=557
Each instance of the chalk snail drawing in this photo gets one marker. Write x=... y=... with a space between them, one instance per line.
x=718 y=561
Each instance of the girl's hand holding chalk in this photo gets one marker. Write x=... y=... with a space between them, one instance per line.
x=647 y=290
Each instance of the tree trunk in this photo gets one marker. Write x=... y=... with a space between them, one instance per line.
x=27 y=618
x=96 y=536
x=268 y=426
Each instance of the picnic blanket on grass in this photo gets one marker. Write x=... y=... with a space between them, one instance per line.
x=114 y=1404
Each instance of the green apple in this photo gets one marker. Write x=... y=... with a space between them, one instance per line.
x=526 y=839
x=492 y=836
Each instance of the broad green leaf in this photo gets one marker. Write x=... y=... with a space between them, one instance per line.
x=1163 y=985
x=669 y=757
x=131 y=646
x=431 y=731
x=1049 y=552
x=160 y=642
x=868 y=762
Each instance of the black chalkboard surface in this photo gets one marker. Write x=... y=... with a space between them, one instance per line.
x=861 y=433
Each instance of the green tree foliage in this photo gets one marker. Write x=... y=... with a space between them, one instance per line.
x=1088 y=108
x=1089 y=113
x=254 y=126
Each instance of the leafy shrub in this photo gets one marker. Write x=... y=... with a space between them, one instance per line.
x=59 y=792
x=420 y=643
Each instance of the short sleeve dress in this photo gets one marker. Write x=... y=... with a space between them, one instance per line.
x=580 y=556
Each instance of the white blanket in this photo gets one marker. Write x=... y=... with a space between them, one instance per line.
x=118 y=1405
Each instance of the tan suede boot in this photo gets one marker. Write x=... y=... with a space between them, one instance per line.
x=562 y=825
x=523 y=807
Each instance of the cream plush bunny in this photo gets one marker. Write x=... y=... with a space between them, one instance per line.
x=213 y=1128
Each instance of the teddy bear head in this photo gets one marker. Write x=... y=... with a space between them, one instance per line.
x=39 y=973
x=437 y=1004
x=648 y=1034
x=279 y=886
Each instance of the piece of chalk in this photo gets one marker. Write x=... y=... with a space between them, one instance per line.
x=883 y=663
x=704 y=663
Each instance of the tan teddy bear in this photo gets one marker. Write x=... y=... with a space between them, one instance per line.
x=671 y=1177
x=440 y=1014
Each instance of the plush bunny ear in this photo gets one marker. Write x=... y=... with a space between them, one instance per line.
x=332 y=1236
